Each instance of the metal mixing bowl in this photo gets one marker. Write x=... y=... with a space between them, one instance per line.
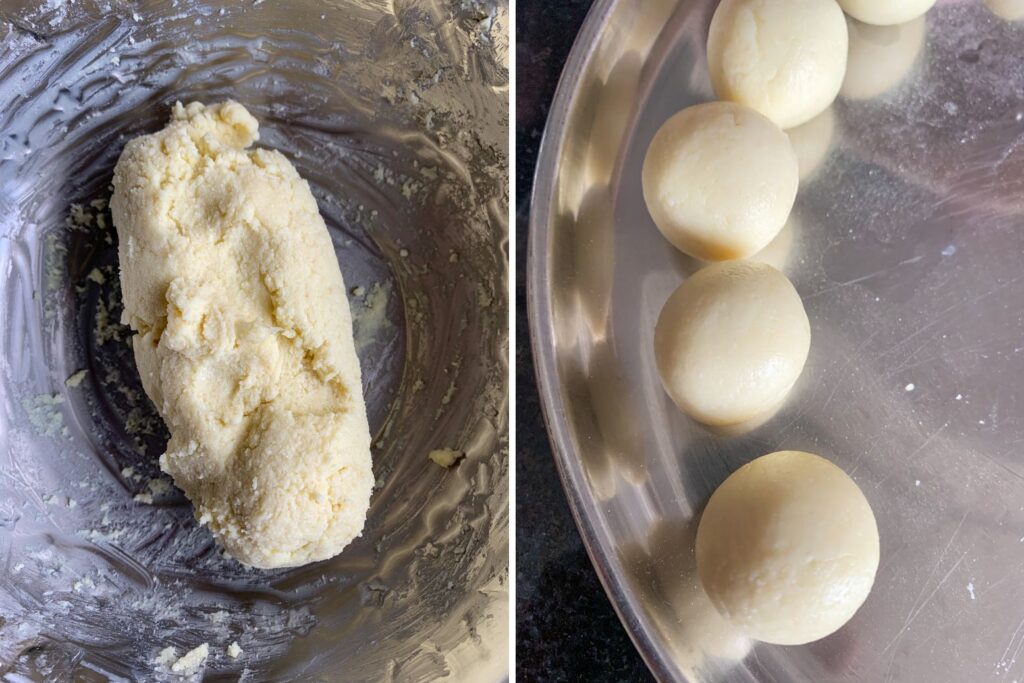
x=396 y=113
x=906 y=246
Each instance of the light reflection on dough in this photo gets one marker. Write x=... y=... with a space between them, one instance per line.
x=611 y=394
x=783 y=249
x=745 y=426
x=613 y=105
x=594 y=258
x=880 y=57
x=649 y=19
x=1010 y=10
x=580 y=412
x=812 y=142
x=663 y=569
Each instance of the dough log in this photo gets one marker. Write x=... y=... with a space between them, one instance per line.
x=243 y=337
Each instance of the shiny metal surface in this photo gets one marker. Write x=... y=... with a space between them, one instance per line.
x=397 y=114
x=906 y=245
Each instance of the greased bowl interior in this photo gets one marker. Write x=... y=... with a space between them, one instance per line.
x=396 y=114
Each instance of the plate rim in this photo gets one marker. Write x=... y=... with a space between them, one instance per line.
x=567 y=460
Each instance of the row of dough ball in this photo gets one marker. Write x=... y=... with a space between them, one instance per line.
x=720 y=178
x=787 y=548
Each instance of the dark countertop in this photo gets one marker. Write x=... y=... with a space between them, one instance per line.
x=566 y=629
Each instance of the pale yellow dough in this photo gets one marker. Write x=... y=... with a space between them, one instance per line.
x=244 y=337
x=787 y=548
x=731 y=341
x=719 y=180
x=784 y=58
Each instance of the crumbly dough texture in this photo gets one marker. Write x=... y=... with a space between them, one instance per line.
x=731 y=342
x=244 y=337
x=784 y=58
x=885 y=12
x=719 y=180
x=787 y=548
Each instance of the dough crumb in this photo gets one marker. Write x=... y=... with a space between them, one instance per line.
x=192 y=660
x=167 y=657
x=144 y=498
x=75 y=379
x=158 y=486
x=45 y=415
x=446 y=457
x=234 y=651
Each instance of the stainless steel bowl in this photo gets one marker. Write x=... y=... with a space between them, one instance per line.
x=906 y=246
x=397 y=115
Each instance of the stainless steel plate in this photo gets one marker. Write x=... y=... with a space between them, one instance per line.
x=906 y=245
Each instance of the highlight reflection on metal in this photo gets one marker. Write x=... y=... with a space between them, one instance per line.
x=397 y=115
x=906 y=246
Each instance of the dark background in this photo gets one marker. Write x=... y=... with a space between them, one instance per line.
x=566 y=629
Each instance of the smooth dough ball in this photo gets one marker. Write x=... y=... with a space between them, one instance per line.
x=731 y=341
x=880 y=57
x=787 y=548
x=720 y=180
x=784 y=58
x=885 y=12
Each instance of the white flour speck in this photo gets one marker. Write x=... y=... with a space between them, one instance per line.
x=909 y=387
x=970 y=589
x=917 y=482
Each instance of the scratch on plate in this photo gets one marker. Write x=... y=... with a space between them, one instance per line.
x=924 y=444
x=862 y=278
x=914 y=614
x=914 y=609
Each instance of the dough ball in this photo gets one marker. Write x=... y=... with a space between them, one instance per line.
x=784 y=58
x=787 y=548
x=885 y=12
x=1010 y=10
x=720 y=180
x=880 y=57
x=731 y=342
